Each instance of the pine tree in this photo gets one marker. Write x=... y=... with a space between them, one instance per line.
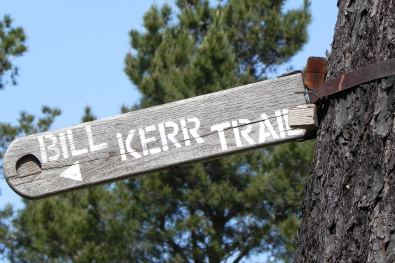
x=26 y=124
x=225 y=209
x=12 y=45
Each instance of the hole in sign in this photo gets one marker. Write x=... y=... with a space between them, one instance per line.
x=28 y=165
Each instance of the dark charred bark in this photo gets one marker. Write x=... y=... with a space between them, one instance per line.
x=349 y=206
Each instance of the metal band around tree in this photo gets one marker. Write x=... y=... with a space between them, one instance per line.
x=316 y=70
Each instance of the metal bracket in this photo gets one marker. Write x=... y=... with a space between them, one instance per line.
x=318 y=88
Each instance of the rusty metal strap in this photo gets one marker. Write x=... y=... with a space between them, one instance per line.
x=316 y=90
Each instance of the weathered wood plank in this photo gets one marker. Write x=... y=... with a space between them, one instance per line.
x=303 y=117
x=173 y=134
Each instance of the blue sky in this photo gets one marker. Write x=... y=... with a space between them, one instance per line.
x=76 y=54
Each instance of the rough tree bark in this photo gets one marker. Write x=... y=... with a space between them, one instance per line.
x=349 y=206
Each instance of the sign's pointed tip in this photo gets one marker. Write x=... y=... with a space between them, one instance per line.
x=73 y=172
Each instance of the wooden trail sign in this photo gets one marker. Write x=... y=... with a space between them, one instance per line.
x=169 y=135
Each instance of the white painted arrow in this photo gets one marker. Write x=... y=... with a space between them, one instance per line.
x=73 y=172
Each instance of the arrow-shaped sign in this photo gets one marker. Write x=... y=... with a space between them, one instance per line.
x=73 y=172
x=172 y=134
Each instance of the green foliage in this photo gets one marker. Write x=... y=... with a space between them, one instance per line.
x=246 y=38
x=66 y=228
x=5 y=215
x=12 y=44
x=224 y=209
x=88 y=115
x=27 y=124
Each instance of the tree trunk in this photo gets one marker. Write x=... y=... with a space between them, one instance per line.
x=349 y=206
